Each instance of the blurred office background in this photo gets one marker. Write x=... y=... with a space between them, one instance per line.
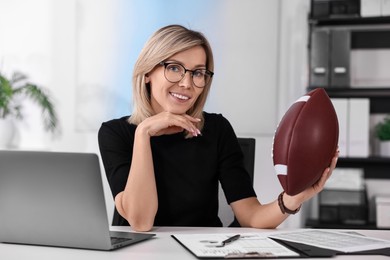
x=83 y=52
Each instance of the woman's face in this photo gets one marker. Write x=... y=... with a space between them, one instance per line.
x=179 y=97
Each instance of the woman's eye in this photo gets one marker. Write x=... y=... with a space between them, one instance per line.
x=199 y=73
x=174 y=68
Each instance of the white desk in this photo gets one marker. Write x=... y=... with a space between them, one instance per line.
x=161 y=247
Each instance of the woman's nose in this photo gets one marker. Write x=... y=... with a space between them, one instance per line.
x=186 y=81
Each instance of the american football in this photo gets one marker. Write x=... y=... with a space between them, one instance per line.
x=305 y=141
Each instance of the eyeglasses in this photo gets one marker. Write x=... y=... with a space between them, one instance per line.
x=175 y=72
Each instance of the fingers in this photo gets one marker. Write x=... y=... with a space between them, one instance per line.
x=334 y=160
x=320 y=184
x=327 y=173
x=168 y=123
x=325 y=176
x=192 y=119
x=188 y=123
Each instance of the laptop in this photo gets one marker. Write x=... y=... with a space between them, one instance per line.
x=56 y=199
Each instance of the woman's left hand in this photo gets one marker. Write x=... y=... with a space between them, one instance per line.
x=293 y=202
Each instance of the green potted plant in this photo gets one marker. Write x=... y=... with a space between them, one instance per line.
x=13 y=91
x=382 y=130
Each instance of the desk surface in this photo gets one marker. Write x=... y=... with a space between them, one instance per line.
x=161 y=247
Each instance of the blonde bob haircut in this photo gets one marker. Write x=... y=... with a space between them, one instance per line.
x=162 y=45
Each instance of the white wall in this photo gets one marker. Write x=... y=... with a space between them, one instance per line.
x=260 y=48
x=292 y=69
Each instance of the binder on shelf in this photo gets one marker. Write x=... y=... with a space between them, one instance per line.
x=341 y=107
x=319 y=63
x=340 y=58
x=370 y=8
x=385 y=7
x=358 y=138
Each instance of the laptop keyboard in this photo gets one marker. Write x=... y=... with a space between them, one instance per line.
x=117 y=240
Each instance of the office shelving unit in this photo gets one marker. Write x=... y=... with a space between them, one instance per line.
x=330 y=43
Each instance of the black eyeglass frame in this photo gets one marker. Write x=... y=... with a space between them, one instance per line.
x=165 y=64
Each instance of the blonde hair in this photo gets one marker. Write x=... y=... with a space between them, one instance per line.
x=163 y=44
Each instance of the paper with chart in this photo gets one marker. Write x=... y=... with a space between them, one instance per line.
x=339 y=241
x=248 y=245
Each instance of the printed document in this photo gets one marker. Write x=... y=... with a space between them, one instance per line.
x=248 y=245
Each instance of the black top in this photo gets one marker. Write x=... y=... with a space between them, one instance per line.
x=187 y=171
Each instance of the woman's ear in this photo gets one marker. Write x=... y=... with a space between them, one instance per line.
x=147 y=79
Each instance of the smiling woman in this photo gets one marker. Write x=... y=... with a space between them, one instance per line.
x=177 y=92
x=164 y=161
x=84 y=50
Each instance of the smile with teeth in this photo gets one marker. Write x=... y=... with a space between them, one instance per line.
x=176 y=95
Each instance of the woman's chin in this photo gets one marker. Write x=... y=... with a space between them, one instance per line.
x=177 y=111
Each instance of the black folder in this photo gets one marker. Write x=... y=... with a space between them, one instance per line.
x=311 y=251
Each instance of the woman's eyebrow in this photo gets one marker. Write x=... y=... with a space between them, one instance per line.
x=181 y=63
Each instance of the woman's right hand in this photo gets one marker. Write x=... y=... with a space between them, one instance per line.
x=166 y=123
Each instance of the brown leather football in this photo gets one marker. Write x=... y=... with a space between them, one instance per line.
x=305 y=141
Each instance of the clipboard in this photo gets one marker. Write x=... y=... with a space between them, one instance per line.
x=201 y=246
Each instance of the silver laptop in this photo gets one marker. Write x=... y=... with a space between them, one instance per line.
x=56 y=199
